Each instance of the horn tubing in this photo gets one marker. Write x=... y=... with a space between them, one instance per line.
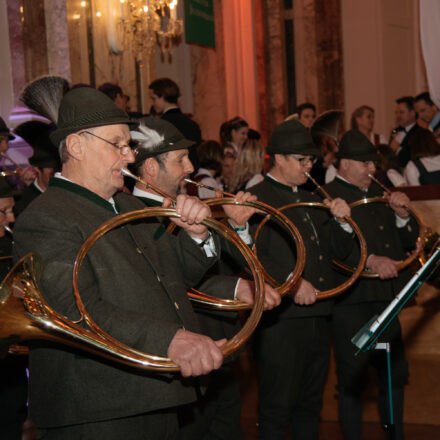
x=164 y=363
x=362 y=244
x=202 y=185
x=408 y=260
x=225 y=304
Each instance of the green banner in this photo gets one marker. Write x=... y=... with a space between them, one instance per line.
x=199 y=22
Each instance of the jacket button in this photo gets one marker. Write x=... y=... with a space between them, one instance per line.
x=312 y=238
x=304 y=219
x=321 y=279
x=381 y=227
x=176 y=305
x=387 y=245
x=321 y=257
x=139 y=251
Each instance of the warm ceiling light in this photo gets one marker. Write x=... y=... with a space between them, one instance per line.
x=83 y=4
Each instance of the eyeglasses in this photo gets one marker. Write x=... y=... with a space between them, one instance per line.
x=368 y=163
x=304 y=161
x=7 y=211
x=124 y=150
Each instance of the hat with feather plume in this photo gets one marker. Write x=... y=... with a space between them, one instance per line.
x=155 y=136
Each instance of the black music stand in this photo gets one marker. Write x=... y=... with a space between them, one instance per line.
x=366 y=338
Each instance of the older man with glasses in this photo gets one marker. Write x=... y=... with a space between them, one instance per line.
x=134 y=288
x=293 y=341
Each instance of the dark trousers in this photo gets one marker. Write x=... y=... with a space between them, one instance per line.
x=156 y=425
x=352 y=371
x=293 y=357
x=216 y=415
x=13 y=396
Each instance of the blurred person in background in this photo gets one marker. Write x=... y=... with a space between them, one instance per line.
x=406 y=128
x=306 y=114
x=426 y=110
x=25 y=174
x=210 y=155
x=362 y=119
x=233 y=134
x=388 y=169
x=424 y=166
x=248 y=167
x=45 y=160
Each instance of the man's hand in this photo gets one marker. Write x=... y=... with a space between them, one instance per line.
x=304 y=293
x=27 y=175
x=195 y=354
x=338 y=208
x=238 y=214
x=384 y=266
x=192 y=212
x=245 y=293
x=399 y=202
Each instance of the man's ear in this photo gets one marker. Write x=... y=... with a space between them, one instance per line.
x=278 y=158
x=343 y=165
x=151 y=167
x=75 y=146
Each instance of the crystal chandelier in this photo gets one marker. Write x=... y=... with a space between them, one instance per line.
x=147 y=22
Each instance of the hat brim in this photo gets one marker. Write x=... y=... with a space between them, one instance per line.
x=182 y=144
x=59 y=134
x=8 y=134
x=306 y=150
x=364 y=157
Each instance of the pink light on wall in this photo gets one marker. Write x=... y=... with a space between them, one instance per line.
x=240 y=60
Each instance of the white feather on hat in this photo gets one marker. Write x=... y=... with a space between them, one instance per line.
x=146 y=137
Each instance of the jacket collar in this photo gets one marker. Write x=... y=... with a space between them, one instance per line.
x=83 y=192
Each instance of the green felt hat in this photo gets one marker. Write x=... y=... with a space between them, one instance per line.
x=36 y=134
x=291 y=137
x=156 y=136
x=356 y=146
x=83 y=108
x=4 y=130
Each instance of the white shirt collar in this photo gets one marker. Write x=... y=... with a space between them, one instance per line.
x=294 y=188
x=137 y=192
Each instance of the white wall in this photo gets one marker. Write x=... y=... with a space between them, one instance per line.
x=382 y=61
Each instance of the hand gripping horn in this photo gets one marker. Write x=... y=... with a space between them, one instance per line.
x=153 y=362
x=25 y=315
x=420 y=242
x=229 y=304
x=363 y=246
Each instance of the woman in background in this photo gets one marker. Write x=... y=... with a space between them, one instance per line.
x=388 y=169
x=233 y=134
x=248 y=166
x=210 y=159
x=362 y=119
x=424 y=166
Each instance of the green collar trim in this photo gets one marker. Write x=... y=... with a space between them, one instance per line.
x=149 y=202
x=162 y=228
x=83 y=192
x=278 y=184
x=34 y=189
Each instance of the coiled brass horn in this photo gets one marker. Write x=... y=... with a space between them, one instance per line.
x=25 y=315
x=420 y=242
x=229 y=304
